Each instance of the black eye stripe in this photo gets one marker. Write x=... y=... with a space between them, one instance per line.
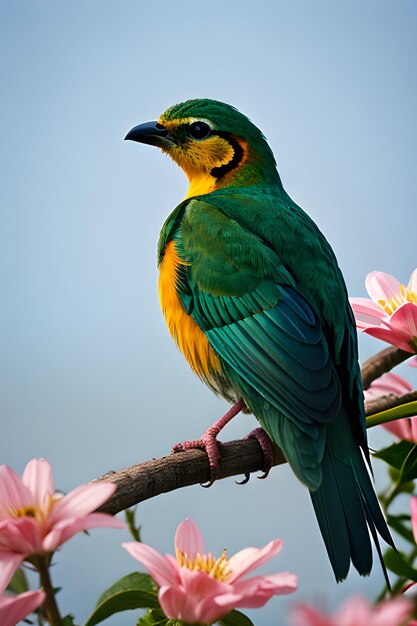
x=238 y=153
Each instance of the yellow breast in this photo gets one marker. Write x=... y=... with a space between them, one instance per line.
x=188 y=336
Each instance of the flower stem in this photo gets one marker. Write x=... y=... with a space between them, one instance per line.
x=50 y=605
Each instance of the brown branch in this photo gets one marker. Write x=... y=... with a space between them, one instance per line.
x=152 y=478
x=147 y=480
x=383 y=403
x=381 y=363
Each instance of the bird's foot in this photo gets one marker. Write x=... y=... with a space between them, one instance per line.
x=267 y=448
x=210 y=445
x=209 y=442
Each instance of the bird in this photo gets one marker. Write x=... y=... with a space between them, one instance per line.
x=255 y=300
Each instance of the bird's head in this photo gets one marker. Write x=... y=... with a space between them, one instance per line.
x=215 y=145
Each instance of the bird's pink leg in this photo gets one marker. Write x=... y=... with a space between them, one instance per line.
x=208 y=441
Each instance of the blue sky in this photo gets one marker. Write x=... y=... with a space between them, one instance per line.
x=89 y=376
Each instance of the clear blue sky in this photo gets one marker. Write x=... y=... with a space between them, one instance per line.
x=90 y=378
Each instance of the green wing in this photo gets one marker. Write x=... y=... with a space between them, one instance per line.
x=268 y=336
x=286 y=339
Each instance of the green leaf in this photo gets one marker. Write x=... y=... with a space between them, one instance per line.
x=134 y=591
x=235 y=618
x=133 y=528
x=18 y=583
x=136 y=580
x=396 y=522
x=68 y=620
x=152 y=618
x=396 y=454
x=409 y=409
x=395 y=561
x=409 y=468
x=155 y=617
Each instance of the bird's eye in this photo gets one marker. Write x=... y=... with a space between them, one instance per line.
x=199 y=130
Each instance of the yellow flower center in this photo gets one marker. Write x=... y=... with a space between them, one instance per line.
x=37 y=512
x=390 y=306
x=216 y=568
x=28 y=511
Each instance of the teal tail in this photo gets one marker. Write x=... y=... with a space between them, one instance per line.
x=346 y=505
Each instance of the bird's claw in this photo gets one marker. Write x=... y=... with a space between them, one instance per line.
x=244 y=481
x=211 y=446
x=265 y=474
x=267 y=448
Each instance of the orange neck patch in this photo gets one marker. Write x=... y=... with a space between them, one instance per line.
x=187 y=335
x=198 y=159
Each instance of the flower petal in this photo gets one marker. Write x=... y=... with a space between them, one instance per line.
x=188 y=539
x=367 y=313
x=393 y=611
x=176 y=604
x=15 y=608
x=250 y=558
x=14 y=495
x=162 y=570
x=81 y=501
x=65 y=529
x=39 y=480
x=413 y=424
x=202 y=592
x=258 y=590
x=412 y=285
x=393 y=384
x=388 y=383
x=405 y=320
x=304 y=615
x=20 y=535
x=210 y=610
x=400 y=428
x=382 y=286
x=9 y=563
x=199 y=584
x=366 y=306
x=394 y=337
x=356 y=611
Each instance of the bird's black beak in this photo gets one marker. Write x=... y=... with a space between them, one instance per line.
x=152 y=133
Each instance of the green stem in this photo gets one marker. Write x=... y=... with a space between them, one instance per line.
x=404 y=410
x=50 y=606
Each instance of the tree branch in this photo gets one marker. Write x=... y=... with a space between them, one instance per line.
x=190 y=467
x=383 y=403
x=381 y=363
x=182 y=469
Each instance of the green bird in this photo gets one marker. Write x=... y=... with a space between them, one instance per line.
x=255 y=300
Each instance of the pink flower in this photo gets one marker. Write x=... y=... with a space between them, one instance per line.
x=36 y=519
x=391 y=383
x=391 y=314
x=199 y=588
x=356 y=612
x=15 y=608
